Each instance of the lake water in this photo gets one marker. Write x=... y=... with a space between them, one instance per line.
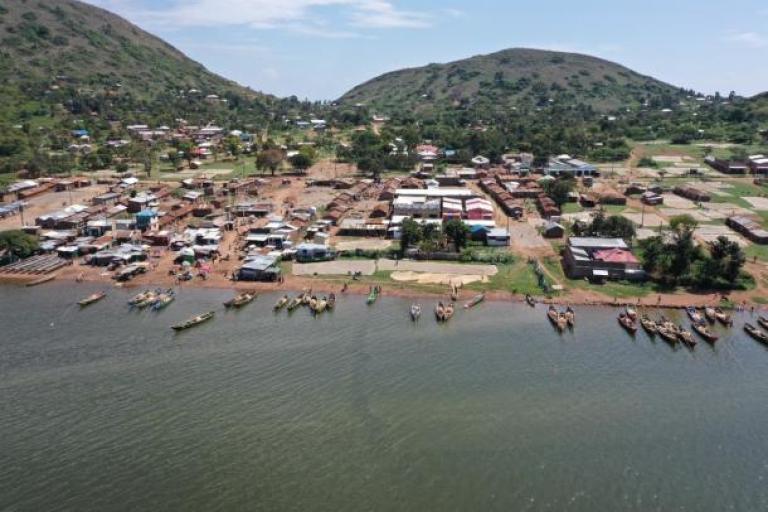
x=107 y=409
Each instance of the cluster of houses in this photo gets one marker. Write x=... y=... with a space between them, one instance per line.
x=754 y=164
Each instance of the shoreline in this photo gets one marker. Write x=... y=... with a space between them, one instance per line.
x=295 y=285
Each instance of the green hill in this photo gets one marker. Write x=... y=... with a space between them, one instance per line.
x=511 y=78
x=92 y=48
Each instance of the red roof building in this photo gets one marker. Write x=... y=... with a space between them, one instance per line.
x=615 y=256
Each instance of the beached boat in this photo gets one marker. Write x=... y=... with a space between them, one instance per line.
x=704 y=331
x=307 y=297
x=281 y=303
x=627 y=323
x=415 y=312
x=373 y=295
x=241 y=300
x=694 y=315
x=723 y=317
x=710 y=314
x=530 y=300
x=41 y=280
x=192 y=322
x=756 y=333
x=91 y=299
x=570 y=316
x=477 y=299
x=649 y=325
x=763 y=322
x=164 y=300
x=557 y=319
x=686 y=337
x=631 y=312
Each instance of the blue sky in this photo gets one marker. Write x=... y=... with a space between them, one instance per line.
x=318 y=49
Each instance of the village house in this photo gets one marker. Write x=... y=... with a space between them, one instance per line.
x=727 y=166
x=600 y=259
x=565 y=165
x=259 y=268
x=692 y=193
x=749 y=228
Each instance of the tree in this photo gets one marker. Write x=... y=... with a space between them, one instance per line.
x=559 y=190
x=729 y=258
x=17 y=244
x=301 y=162
x=410 y=235
x=457 y=232
x=270 y=159
x=372 y=166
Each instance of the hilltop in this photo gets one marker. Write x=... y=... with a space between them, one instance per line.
x=70 y=42
x=511 y=78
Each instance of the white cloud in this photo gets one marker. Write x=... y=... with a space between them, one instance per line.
x=292 y=14
x=749 y=39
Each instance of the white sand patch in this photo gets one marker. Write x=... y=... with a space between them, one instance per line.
x=649 y=220
x=711 y=233
x=366 y=244
x=445 y=279
x=758 y=203
x=677 y=202
x=434 y=267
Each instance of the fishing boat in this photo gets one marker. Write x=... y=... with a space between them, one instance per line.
x=164 y=300
x=710 y=314
x=694 y=315
x=373 y=295
x=281 y=303
x=756 y=333
x=627 y=323
x=312 y=303
x=241 y=300
x=331 y=301
x=440 y=312
x=41 y=280
x=91 y=299
x=320 y=306
x=150 y=300
x=763 y=322
x=450 y=309
x=686 y=337
x=296 y=302
x=307 y=297
x=415 y=312
x=192 y=322
x=704 y=331
x=649 y=325
x=723 y=317
x=570 y=316
x=631 y=312
x=557 y=319
x=530 y=300
x=477 y=299
x=141 y=297
x=668 y=333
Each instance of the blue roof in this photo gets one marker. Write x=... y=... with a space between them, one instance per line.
x=147 y=214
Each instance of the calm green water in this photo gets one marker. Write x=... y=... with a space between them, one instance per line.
x=106 y=409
